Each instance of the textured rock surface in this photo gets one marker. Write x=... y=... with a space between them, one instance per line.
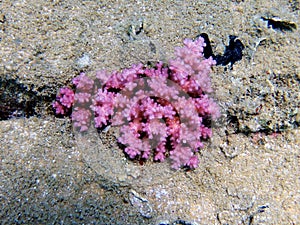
x=249 y=172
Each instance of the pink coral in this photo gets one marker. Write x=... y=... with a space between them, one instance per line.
x=81 y=118
x=161 y=110
x=102 y=105
x=64 y=101
x=83 y=83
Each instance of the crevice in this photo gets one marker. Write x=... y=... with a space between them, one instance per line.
x=18 y=101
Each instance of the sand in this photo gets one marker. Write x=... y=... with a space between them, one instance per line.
x=249 y=171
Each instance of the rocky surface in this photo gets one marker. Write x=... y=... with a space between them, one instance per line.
x=249 y=171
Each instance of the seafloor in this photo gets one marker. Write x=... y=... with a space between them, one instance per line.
x=249 y=171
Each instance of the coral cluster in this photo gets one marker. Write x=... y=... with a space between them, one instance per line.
x=162 y=111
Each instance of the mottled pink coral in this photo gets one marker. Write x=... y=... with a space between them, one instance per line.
x=190 y=69
x=67 y=97
x=181 y=156
x=118 y=80
x=64 y=101
x=82 y=97
x=83 y=83
x=59 y=108
x=81 y=118
x=161 y=110
x=193 y=162
x=102 y=106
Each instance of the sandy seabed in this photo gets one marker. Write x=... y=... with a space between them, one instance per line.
x=249 y=171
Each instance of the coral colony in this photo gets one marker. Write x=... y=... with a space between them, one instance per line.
x=162 y=110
